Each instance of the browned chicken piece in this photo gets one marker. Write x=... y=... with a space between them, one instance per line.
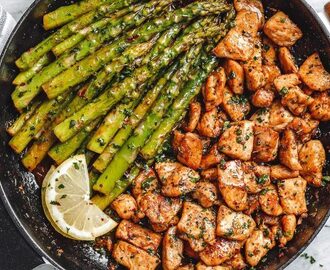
x=236 y=106
x=304 y=127
x=212 y=158
x=312 y=159
x=138 y=236
x=213 y=90
x=202 y=266
x=263 y=98
x=104 y=242
x=261 y=117
x=232 y=186
x=280 y=29
x=238 y=44
x=280 y=172
x=134 y=258
x=125 y=206
x=210 y=174
x=234 y=225
x=235 y=76
x=160 y=211
x=236 y=262
x=181 y=182
x=292 y=195
x=284 y=82
x=197 y=225
x=254 y=76
x=269 y=201
x=289 y=224
x=219 y=252
x=253 y=204
x=313 y=73
x=251 y=5
x=288 y=152
x=165 y=169
x=256 y=177
x=287 y=61
x=279 y=117
x=189 y=148
x=144 y=182
x=269 y=55
x=320 y=107
x=265 y=144
x=265 y=219
x=271 y=72
x=257 y=246
x=237 y=140
x=172 y=252
x=206 y=194
x=195 y=111
x=295 y=100
x=189 y=266
x=188 y=251
x=210 y=124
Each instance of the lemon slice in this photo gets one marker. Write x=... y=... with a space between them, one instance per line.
x=67 y=204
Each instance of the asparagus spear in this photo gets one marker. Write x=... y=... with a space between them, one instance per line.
x=66 y=14
x=192 y=35
x=30 y=57
x=25 y=76
x=24 y=94
x=104 y=201
x=85 y=68
x=44 y=113
x=129 y=151
x=19 y=122
x=123 y=134
x=63 y=151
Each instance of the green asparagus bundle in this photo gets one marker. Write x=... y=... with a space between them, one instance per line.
x=85 y=68
x=127 y=154
x=193 y=34
x=23 y=95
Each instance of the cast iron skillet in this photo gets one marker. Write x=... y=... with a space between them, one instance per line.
x=20 y=192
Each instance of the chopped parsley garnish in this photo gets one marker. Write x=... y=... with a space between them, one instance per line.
x=76 y=165
x=72 y=123
x=262 y=179
x=284 y=91
x=55 y=203
x=232 y=75
x=61 y=186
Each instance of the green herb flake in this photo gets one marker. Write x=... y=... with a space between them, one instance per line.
x=72 y=123
x=283 y=91
x=61 y=186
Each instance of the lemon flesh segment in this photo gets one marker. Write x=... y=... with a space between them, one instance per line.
x=67 y=199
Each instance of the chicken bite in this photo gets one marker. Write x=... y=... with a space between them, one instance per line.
x=256 y=177
x=314 y=75
x=219 y=252
x=263 y=98
x=251 y=5
x=189 y=148
x=160 y=211
x=234 y=225
x=236 y=262
x=195 y=111
x=280 y=172
x=210 y=123
x=133 y=257
x=235 y=76
x=261 y=117
x=202 y=266
x=269 y=57
x=237 y=140
x=257 y=246
x=288 y=152
x=236 y=106
x=238 y=44
x=125 y=206
x=286 y=81
x=271 y=72
x=213 y=90
x=287 y=61
x=289 y=224
x=265 y=144
x=320 y=107
x=279 y=117
x=210 y=174
x=212 y=158
x=281 y=30
x=172 y=252
x=269 y=201
x=144 y=182
x=197 y=225
x=292 y=195
x=138 y=236
x=312 y=159
x=232 y=186
x=206 y=194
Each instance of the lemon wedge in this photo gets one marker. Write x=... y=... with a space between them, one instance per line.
x=67 y=205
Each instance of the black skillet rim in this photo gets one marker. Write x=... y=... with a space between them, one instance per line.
x=30 y=238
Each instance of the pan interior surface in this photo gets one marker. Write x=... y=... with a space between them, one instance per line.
x=20 y=191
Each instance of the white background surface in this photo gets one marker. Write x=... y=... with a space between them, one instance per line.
x=320 y=248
